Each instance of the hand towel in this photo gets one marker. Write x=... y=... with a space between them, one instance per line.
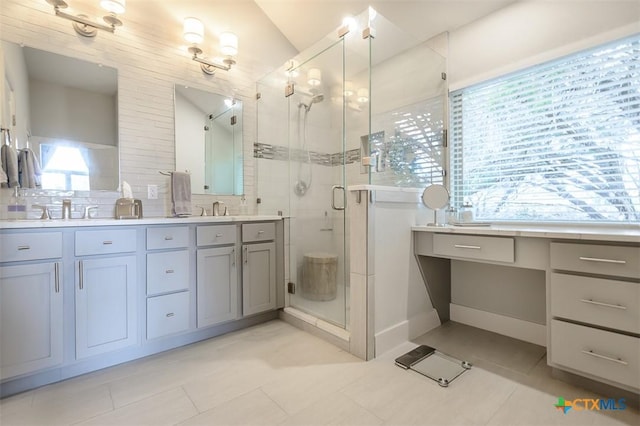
x=181 y=193
x=9 y=159
x=29 y=173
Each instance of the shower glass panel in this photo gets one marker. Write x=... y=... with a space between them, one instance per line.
x=317 y=181
x=406 y=138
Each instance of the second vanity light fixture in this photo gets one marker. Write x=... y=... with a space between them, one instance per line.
x=86 y=27
x=193 y=32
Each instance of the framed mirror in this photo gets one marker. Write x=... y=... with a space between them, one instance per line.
x=208 y=129
x=66 y=111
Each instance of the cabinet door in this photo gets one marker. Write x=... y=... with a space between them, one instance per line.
x=106 y=306
x=217 y=285
x=258 y=278
x=30 y=318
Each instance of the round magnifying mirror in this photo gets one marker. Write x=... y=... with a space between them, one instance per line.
x=435 y=197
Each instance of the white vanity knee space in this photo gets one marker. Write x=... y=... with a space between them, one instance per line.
x=77 y=296
x=595 y=311
x=592 y=289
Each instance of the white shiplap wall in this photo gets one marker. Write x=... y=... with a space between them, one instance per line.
x=149 y=60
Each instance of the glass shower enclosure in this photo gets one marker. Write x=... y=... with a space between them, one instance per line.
x=355 y=108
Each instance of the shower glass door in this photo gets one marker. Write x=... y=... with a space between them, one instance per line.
x=317 y=186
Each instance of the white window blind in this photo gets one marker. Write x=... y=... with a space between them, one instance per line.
x=556 y=142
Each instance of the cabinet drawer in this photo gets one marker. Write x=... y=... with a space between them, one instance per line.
x=258 y=232
x=474 y=247
x=612 y=356
x=213 y=235
x=167 y=237
x=105 y=241
x=607 y=303
x=167 y=314
x=167 y=272
x=30 y=246
x=616 y=261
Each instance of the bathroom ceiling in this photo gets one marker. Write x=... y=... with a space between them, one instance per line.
x=272 y=31
x=304 y=22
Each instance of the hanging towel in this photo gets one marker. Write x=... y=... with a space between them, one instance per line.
x=29 y=169
x=181 y=193
x=9 y=158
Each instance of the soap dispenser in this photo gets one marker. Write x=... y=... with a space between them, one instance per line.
x=17 y=208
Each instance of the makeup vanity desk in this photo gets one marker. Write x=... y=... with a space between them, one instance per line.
x=591 y=280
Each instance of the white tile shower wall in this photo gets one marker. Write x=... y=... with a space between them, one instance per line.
x=149 y=64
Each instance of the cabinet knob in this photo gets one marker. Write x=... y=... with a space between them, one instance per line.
x=170 y=314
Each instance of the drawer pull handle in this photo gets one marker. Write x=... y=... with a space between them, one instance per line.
x=464 y=246
x=81 y=275
x=57 y=277
x=168 y=238
x=260 y=232
x=608 y=305
x=218 y=235
x=591 y=353
x=24 y=248
x=170 y=314
x=595 y=259
x=169 y=271
x=107 y=243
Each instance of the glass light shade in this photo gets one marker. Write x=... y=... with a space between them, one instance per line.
x=348 y=88
x=363 y=95
x=193 y=30
x=314 y=77
x=114 y=6
x=229 y=44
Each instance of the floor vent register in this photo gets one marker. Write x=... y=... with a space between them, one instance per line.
x=433 y=364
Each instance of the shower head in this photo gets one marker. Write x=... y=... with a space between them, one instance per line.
x=314 y=100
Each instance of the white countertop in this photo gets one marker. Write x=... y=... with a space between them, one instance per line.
x=59 y=223
x=596 y=233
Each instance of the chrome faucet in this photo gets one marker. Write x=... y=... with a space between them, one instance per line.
x=46 y=214
x=66 y=208
x=217 y=205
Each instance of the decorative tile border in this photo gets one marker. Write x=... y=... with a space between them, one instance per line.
x=283 y=153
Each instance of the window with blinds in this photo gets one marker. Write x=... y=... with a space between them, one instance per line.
x=556 y=142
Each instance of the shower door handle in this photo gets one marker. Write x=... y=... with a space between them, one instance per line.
x=333 y=197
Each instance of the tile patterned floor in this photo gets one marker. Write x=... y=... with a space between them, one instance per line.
x=275 y=374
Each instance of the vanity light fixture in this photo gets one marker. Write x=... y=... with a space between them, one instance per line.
x=314 y=77
x=193 y=32
x=86 y=27
x=348 y=88
x=363 y=95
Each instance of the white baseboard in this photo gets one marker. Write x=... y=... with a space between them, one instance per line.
x=399 y=333
x=507 y=326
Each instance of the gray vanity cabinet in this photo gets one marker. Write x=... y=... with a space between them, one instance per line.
x=31 y=302
x=168 y=279
x=217 y=274
x=258 y=268
x=106 y=305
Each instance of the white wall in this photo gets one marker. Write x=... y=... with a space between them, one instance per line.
x=14 y=80
x=402 y=309
x=530 y=32
x=147 y=53
x=61 y=112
